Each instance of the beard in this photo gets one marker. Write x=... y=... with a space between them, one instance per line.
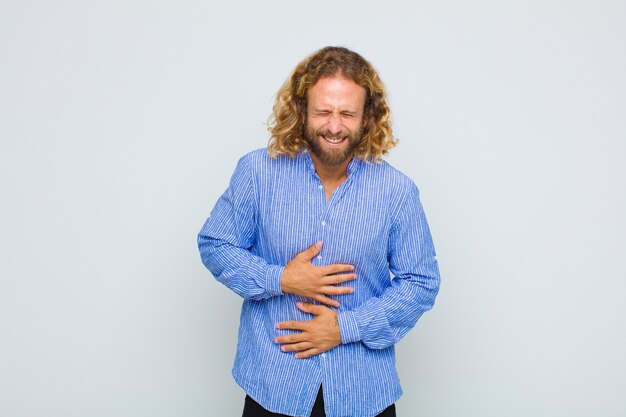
x=328 y=156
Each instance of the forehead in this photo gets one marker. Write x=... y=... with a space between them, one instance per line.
x=336 y=91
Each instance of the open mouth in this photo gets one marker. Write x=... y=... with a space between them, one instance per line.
x=334 y=140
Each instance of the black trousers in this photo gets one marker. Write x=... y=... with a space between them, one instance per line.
x=253 y=409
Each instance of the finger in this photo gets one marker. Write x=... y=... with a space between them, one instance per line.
x=296 y=347
x=336 y=268
x=308 y=353
x=310 y=253
x=327 y=300
x=314 y=309
x=333 y=290
x=290 y=338
x=292 y=325
x=339 y=278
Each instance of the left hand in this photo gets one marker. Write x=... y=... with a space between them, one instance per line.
x=316 y=335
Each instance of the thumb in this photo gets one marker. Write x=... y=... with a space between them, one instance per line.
x=314 y=309
x=310 y=253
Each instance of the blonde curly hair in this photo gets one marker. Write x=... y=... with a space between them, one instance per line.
x=287 y=122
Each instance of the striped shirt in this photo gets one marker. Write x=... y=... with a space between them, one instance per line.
x=275 y=208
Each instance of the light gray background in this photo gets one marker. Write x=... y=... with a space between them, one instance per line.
x=121 y=123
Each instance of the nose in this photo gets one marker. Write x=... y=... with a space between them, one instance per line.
x=334 y=124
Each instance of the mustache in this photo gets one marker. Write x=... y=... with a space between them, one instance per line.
x=328 y=134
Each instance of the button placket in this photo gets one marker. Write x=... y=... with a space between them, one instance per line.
x=320 y=213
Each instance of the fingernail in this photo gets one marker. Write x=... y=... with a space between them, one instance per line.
x=318 y=244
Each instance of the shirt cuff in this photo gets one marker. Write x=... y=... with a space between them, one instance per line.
x=272 y=279
x=348 y=327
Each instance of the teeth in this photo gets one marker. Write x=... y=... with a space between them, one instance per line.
x=335 y=140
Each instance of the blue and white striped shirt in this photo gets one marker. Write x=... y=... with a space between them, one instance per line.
x=275 y=208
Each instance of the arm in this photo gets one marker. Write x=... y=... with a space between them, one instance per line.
x=227 y=236
x=229 y=233
x=381 y=321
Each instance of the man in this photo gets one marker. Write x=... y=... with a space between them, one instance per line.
x=307 y=233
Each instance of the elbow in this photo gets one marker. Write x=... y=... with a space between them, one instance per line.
x=208 y=248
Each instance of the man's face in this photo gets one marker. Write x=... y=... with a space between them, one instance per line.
x=334 y=122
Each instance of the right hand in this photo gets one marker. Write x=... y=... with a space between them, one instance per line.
x=302 y=278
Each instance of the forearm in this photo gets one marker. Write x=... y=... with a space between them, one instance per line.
x=237 y=268
x=382 y=321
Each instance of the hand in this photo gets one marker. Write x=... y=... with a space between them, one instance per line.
x=300 y=277
x=316 y=336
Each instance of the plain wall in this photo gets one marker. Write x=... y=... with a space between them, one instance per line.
x=122 y=121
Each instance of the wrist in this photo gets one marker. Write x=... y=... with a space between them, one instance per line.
x=273 y=279
x=348 y=327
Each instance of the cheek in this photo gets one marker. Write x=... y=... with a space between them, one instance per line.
x=314 y=124
x=354 y=125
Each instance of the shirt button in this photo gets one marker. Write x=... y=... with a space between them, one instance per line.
x=320 y=186
x=323 y=355
x=319 y=256
x=323 y=222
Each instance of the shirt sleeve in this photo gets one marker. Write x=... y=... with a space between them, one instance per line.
x=381 y=321
x=228 y=235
